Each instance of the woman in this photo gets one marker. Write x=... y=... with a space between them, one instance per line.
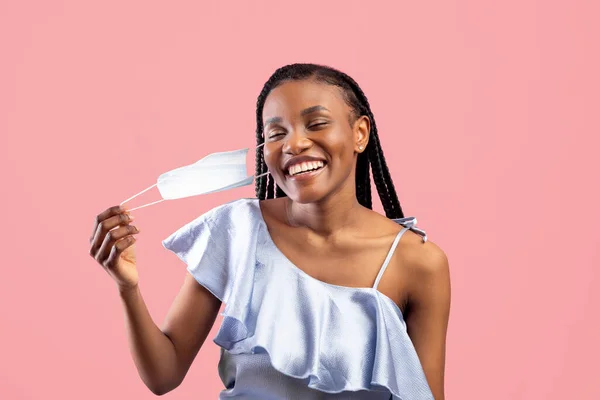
x=325 y=298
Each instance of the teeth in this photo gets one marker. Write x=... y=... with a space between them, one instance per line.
x=305 y=166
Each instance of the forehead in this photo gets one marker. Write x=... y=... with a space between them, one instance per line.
x=290 y=98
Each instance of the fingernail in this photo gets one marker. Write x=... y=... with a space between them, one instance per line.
x=131 y=217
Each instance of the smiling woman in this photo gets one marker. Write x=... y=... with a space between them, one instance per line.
x=325 y=298
x=341 y=88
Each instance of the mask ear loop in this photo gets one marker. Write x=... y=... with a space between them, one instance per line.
x=145 y=205
x=161 y=200
x=136 y=195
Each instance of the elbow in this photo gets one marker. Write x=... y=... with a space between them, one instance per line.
x=161 y=388
x=159 y=392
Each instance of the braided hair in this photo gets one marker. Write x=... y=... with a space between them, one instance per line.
x=371 y=159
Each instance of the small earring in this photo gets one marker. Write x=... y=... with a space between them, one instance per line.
x=360 y=148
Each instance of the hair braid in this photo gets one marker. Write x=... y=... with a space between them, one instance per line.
x=363 y=181
x=279 y=192
x=270 y=188
x=260 y=183
x=381 y=174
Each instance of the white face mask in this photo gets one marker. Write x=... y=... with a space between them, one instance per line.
x=213 y=173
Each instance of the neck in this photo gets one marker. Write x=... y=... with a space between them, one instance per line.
x=326 y=217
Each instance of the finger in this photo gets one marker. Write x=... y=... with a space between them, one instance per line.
x=104 y=227
x=111 y=238
x=117 y=249
x=109 y=212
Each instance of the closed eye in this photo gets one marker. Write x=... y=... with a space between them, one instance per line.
x=276 y=134
x=318 y=125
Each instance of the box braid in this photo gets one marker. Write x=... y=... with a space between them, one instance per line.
x=371 y=159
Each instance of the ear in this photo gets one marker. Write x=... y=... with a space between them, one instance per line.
x=362 y=130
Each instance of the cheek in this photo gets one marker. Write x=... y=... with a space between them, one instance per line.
x=340 y=146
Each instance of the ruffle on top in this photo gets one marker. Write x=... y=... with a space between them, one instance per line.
x=336 y=338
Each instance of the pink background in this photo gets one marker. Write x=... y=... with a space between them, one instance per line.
x=487 y=111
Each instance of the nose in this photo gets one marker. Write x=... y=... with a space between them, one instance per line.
x=296 y=142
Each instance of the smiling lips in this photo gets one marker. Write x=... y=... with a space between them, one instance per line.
x=305 y=166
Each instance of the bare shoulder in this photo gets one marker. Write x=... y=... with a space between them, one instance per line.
x=427 y=273
x=423 y=258
x=420 y=265
x=416 y=267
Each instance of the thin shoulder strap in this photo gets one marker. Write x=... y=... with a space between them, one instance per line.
x=410 y=223
x=389 y=257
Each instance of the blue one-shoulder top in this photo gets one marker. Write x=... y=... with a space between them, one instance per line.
x=287 y=335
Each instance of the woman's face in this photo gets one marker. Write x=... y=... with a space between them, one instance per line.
x=310 y=145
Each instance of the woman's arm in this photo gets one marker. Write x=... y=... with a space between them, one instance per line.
x=163 y=357
x=428 y=312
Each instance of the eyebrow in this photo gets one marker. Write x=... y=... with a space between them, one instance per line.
x=274 y=120
x=304 y=112
x=313 y=109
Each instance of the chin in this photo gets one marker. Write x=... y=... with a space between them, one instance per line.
x=307 y=194
x=307 y=189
